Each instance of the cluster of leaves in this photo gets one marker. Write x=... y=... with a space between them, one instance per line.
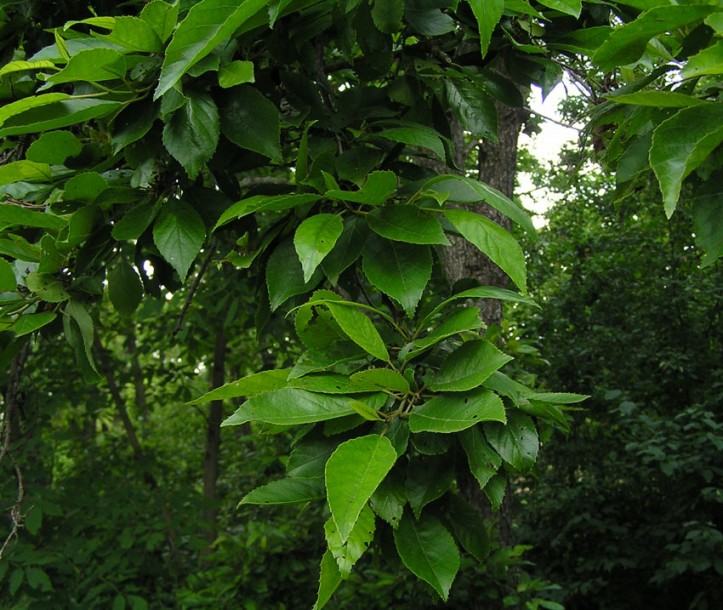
x=306 y=137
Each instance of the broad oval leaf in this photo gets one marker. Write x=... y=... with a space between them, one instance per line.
x=428 y=478
x=329 y=580
x=466 y=190
x=468 y=366
x=482 y=460
x=125 y=289
x=428 y=550
x=207 y=23
x=264 y=203
x=359 y=328
x=68 y=111
x=457 y=412
x=31 y=322
x=191 y=136
x=465 y=319
x=353 y=473
x=314 y=239
x=488 y=14
x=179 y=233
x=379 y=186
x=258 y=383
x=284 y=276
x=251 y=121
x=348 y=552
x=347 y=250
x=406 y=223
x=682 y=143
x=290 y=407
x=8 y=283
x=399 y=270
x=417 y=135
x=286 y=491
x=381 y=379
x=516 y=442
x=54 y=147
x=627 y=43
x=494 y=241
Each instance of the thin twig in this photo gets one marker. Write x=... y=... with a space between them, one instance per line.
x=194 y=287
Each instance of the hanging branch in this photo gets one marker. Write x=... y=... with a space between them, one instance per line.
x=11 y=399
x=194 y=287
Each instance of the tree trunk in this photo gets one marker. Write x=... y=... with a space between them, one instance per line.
x=213 y=442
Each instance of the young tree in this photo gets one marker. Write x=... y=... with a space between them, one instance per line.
x=324 y=147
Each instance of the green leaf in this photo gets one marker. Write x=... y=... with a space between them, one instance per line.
x=236 y=73
x=680 y=144
x=329 y=580
x=420 y=136
x=14 y=215
x=467 y=190
x=8 y=283
x=408 y=224
x=468 y=366
x=314 y=360
x=516 y=442
x=331 y=383
x=125 y=289
x=308 y=459
x=31 y=322
x=93 y=65
x=47 y=287
x=483 y=461
x=286 y=491
x=28 y=103
x=178 y=234
x=465 y=319
x=284 y=275
x=707 y=220
x=162 y=17
x=367 y=412
x=208 y=23
x=251 y=121
x=488 y=14
x=347 y=250
x=427 y=480
x=382 y=379
x=130 y=32
x=290 y=407
x=258 y=383
x=348 y=552
x=453 y=413
x=387 y=16
x=569 y=7
x=314 y=239
x=264 y=203
x=483 y=292
x=474 y=108
x=132 y=124
x=191 y=136
x=658 y=99
x=353 y=473
x=25 y=66
x=627 y=43
x=389 y=499
x=469 y=528
x=24 y=171
x=494 y=241
x=708 y=61
x=359 y=328
x=495 y=490
x=134 y=222
x=79 y=331
x=557 y=398
x=84 y=187
x=57 y=114
x=428 y=551
x=399 y=270
x=54 y=148
x=379 y=187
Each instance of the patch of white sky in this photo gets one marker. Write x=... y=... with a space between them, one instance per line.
x=545 y=146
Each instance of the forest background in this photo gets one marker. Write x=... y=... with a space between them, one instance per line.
x=299 y=217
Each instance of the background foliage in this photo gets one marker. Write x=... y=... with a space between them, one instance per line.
x=257 y=210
